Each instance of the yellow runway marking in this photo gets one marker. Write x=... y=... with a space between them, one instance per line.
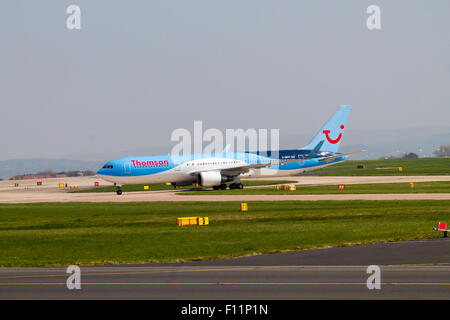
x=229 y=283
x=63 y=274
x=419 y=264
x=250 y=268
x=187 y=283
x=422 y=284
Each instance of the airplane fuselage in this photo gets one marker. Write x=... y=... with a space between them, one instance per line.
x=182 y=169
x=214 y=170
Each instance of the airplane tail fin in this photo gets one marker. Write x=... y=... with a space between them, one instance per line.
x=331 y=133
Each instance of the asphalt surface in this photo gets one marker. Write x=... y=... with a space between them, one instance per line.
x=48 y=192
x=409 y=270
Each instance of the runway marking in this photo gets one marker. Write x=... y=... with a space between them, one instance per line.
x=188 y=283
x=249 y=268
x=418 y=264
x=228 y=283
x=422 y=284
x=252 y=268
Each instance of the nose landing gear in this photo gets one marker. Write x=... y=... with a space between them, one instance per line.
x=118 y=191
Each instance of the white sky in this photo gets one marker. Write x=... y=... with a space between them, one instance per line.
x=139 y=69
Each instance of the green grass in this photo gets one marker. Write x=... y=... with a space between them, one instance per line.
x=48 y=234
x=421 y=166
x=163 y=186
x=419 y=187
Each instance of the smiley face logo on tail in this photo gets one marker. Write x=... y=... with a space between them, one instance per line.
x=326 y=132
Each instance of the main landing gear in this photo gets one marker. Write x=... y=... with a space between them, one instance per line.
x=236 y=186
x=232 y=186
x=223 y=186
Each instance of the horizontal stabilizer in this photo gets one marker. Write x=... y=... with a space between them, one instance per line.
x=329 y=159
x=315 y=151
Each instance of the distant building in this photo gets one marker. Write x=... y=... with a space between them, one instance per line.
x=50 y=174
x=443 y=151
x=410 y=155
x=32 y=176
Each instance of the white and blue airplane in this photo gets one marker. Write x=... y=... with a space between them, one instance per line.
x=213 y=170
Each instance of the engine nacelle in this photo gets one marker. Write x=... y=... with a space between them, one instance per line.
x=211 y=179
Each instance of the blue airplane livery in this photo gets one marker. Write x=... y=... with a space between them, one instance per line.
x=213 y=170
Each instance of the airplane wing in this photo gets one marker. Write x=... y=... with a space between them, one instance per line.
x=329 y=159
x=245 y=168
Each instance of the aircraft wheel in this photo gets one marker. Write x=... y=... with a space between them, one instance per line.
x=119 y=192
x=232 y=186
x=223 y=186
x=239 y=186
x=216 y=187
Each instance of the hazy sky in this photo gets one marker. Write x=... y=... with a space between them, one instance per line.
x=139 y=69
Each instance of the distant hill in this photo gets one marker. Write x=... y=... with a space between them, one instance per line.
x=9 y=168
x=378 y=143
x=108 y=156
x=420 y=140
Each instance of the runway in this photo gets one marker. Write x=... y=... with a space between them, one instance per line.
x=88 y=181
x=52 y=194
x=409 y=270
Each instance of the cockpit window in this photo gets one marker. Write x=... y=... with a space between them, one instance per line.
x=107 y=166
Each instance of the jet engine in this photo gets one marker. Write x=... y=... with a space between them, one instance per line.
x=212 y=178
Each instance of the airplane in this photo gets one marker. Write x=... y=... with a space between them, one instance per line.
x=213 y=170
